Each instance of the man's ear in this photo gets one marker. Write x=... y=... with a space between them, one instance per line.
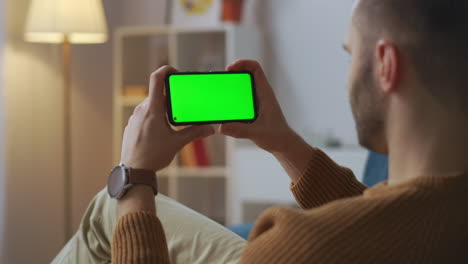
x=388 y=66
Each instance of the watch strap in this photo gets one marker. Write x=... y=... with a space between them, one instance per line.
x=145 y=177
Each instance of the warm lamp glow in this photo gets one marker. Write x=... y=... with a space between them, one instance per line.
x=66 y=22
x=54 y=21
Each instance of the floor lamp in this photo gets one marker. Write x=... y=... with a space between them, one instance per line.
x=66 y=22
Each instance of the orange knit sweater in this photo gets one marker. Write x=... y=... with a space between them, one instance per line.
x=421 y=221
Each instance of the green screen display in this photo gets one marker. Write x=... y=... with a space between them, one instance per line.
x=210 y=97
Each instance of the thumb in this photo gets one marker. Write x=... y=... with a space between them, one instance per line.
x=195 y=132
x=236 y=130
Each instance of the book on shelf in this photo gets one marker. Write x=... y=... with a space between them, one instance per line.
x=195 y=155
x=201 y=153
x=135 y=90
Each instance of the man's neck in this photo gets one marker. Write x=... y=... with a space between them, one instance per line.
x=430 y=145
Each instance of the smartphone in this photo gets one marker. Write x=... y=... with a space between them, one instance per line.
x=195 y=98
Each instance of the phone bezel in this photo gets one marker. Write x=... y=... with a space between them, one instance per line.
x=169 y=103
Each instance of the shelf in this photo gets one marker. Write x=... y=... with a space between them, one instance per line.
x=163 y=173
x=142 y=31
x=199 y=30
x=210 y=172
x=131 y=101
x=165 y=30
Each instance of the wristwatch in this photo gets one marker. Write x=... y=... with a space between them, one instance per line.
x=123 y=178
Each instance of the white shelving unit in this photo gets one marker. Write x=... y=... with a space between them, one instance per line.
x=141 y=50
x=255 y=169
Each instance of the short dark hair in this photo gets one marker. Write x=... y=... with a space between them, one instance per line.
x=434 y=36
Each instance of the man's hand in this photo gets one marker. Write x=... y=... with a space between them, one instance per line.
x=270 y=131
x=149 y=142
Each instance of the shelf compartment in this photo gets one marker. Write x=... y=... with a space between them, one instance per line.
x=141 y=55
x=131 y=101
x=163 y=184
x=204 y=195
x=201 y=51
x=208 y=172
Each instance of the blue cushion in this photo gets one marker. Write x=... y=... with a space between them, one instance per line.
x=242 y=230
x=376 y=169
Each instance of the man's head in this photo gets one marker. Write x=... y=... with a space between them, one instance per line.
x=406 y=50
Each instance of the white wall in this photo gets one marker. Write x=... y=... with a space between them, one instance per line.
x=307 y=65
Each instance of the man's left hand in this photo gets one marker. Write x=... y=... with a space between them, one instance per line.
x=149 y=142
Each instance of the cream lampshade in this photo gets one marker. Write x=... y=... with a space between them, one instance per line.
x=57 y=21
x=66 y=22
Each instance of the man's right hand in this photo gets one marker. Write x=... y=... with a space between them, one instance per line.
x=270 y=131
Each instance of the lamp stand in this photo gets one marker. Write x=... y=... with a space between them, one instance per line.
x=66 y=57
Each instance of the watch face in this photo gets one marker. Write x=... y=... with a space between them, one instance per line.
x=117 y=181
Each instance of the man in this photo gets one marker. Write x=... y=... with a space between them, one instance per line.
x=409 y=93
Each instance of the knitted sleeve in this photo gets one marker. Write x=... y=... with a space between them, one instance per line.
x=324 y=181
x=139 y=239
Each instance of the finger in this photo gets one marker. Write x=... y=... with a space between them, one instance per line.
x=195 y=132
x=262 y=85
x=248 y=65
x=157 y=100
x=236 y=130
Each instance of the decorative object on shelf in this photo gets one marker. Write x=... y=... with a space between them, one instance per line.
x=332 y=141
x=196 y=12
x=66 y=23
x=212 y=57
x=232 y=10
x=135 y=90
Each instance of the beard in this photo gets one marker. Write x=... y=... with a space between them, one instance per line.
x=368 y=109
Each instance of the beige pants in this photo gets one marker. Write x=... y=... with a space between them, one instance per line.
x=191 y=237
